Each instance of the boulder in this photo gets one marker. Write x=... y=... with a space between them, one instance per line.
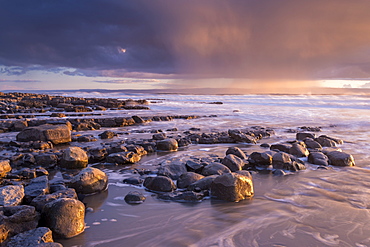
x=193 y=166
x=298 y=150
x=11 y=195
x=5 y=168
x=318 y=158
x=46 y=160
x=40 y=201
x=260 y=160
x=136 y=149
x=337 y=158
x=90 y=180
x=74 y=158
x=232 y=187
x=38 y=186
x=167 y=145
x=233 y=162
x=172 y=169
x=202 y=184
x=31 y=238
x=134 y=197
x=236 y=151
x=283 y=161
x=215 y=168
x=97 y=154
x=312 y=144
x=159 y=183
x=55 y=133
x=336 y=140
x=188 y=178
x=65 y=217
x=133 y=181
x=123 y=158
x=325 y=141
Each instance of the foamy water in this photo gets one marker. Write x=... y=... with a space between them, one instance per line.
x=309 y=208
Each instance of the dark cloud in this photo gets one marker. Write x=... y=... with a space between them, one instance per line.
x=258 y=39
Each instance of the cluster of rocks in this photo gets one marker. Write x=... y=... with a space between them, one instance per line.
x=20 y=103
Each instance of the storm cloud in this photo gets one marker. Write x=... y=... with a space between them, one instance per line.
x=256 y=39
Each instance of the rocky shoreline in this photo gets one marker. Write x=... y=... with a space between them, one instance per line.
x=33 y=203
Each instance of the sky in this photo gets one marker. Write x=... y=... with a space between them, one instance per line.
x=143 y=44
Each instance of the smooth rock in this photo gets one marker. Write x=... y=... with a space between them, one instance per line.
x=65 y=217
x=107 y=134
x=167 y=145
x=123 y=158
x=232 y=187
x=337 y=158
x=172 y=169
x=318 y=158
x=298 y=150
x=57 y=134
x=74 y=158
x=202 y=184
x=134 y=197
x=159 y=183
x=188 y=178
x=236 y=151
x=233 y=162
x=325 y=141
x=260 y=160
x=177 y=196
x=90 y=180
x=215 y=168
x=302 y=135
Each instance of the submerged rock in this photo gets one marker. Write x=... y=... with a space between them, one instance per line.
x=232 y=187
x=187 y=196
x=134 y=197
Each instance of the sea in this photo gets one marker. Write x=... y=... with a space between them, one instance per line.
x=313 y=207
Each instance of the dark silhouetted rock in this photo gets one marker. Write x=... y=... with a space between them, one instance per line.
x=159 y=136
x=284 y=161
x=302 y=135
x=318 y=158
x=202 y=184
x=236 y=151
x=133 y=181
x=134 y=197
x=138 y=119
x=215 y=168
x=89 y=180
x=312 y=144
x=65 y=217
x=260 y=160
x=337 y=158
x=186 y=196
x=11 y=195
x=325 y=141
x=193 y=166
x=74 y=158
x=283 y=147
x=172 y=168
x=188 y=178
x=232 y=187
x=239 y=136
x=55 y=133
x=160 y=184
x=233 y=162
x=46 y=160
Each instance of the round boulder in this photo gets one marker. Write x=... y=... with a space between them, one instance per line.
x=65 y=217
x=188 y=178
x=215 y=168
x=74 y=158
x=340 y=159
x=134 y=197
x=167 y=145
x=233 y=162
x=159 y=183
x=90 y=180
x=232 y=187
x=236 y=151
